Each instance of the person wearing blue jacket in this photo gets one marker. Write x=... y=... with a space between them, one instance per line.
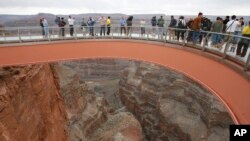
x=91 y=24
x=123 y=24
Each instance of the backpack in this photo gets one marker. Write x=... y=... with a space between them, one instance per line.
x=153 y=21
x=181 y=25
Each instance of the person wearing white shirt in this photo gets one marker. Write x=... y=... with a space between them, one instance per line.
x=230 y=29
x=71 y=25
x=102 y=21
x=238 y=30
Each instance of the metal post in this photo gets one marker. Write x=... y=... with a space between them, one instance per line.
x=4 y=36
x=147 y=36
x=185 y=38
x=204 y=42
x=112 y=32
x=94 y=31
x=48 y=34
x=29 y=33
x=19 y=36
x=75 y=31
x=247 y=63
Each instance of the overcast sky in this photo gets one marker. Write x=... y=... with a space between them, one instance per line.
x=169 y=7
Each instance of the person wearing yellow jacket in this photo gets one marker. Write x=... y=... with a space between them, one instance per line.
x=108 y=23
x=244 y=42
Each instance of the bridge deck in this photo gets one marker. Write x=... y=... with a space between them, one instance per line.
x=229 y=85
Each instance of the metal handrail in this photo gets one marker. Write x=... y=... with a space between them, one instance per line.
x=162 y=34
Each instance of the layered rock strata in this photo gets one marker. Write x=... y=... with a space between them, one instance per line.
x=31 y=108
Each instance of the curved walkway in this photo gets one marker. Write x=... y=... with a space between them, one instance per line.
x=231 y=87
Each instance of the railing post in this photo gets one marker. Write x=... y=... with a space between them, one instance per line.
x=29 y=33
x=19 y=36
x=185 y=38
x=94 y=31
x=4 y=36
x=48 y=34
x=75 y=33
x=165 y=38
x=112 y=33
x=204 y=42
x=247 y=63
x=225 y=50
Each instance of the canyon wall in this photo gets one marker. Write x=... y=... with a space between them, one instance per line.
x=31 y=108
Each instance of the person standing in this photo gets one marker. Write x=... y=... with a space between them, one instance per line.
x=172 y=24
x=108 y=25
x=129 y=25
x=244 y=42
x=83 y=27
x=181 y=25
x=91 y=24
x=102 y=25
x=71 y=25
x=57 y=20
x=62 y=23
x=238 y=30
x=153 y=23
x=46 y=28
x=196 y=26
x=231 y=27
x=123 y=24
x=41 y=24
x=227 y=19
x=142 y=25
x=218 y=28
x=160 y=24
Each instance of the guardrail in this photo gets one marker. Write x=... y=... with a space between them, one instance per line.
x=224 y=49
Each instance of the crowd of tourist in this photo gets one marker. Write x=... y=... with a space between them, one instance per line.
x=176 y=29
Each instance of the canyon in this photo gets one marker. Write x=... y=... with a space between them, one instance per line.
x=107 y=100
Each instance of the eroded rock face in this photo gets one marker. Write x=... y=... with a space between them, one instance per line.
x=171 y=107
x=108 y=100
x=31 y=107
x=90 y=117
x=168 y=105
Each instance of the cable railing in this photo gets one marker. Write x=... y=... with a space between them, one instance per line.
x=226 y=49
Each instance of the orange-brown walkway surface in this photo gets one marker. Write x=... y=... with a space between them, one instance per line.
x=231 y=87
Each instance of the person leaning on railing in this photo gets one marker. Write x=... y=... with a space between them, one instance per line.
x=217 y=26
x=196 y=27
x=231 y=26
x=244 y=42
x=172 y=24
x=181 y=25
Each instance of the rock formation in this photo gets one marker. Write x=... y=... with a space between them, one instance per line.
x=31 y=108
x=90 y=117
x=107 y=100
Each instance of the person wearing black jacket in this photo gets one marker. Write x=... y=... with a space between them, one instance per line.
x=62 y=23
x=129 y=24
x=41 y=24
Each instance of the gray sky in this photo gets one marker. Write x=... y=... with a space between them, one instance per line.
x=175 y=7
